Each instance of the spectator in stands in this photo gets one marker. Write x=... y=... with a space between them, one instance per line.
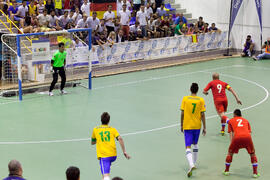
x=165 y=26
x=185 y=30
x=180 y=17
x=134 y=30
x=178 y=29
x=43 y=21
x=22 y=12
x=213 y=28
x=85 y=8
x=111 y=38
x=159 y=2
x=200 y=23
x=117 y=24
x=83 y=23
x=12 y=11
x=125 y=17
x=117 y=178
x=154 y=7
x=152 y=30
x=143 y=20
x=77 y=43
x=119 y=6
x=109 y=19
x=101 y=27
x=127 y=3
x=191 y=29
x=32 y=8
x=70 y=16
x=69 y=5
x=73 y=173
x=77 y=16
x=149 y=10
x=54 y=23
x=34 y=23
x=161 y=11
x=40 y=7
x=139 y=35
x=196 y=30
x=64 y=19
x=49 y=6
x=248 y=47
x=15 y=171
x=58 y=4
x=136 y=5
x=100 y=39
x=120 y=36
x=266 y=54
x=205 y=28
x=94 y=21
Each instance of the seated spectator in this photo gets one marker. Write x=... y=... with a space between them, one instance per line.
x=100 y=39
x=165 y=25
x=111 y=38
x=157 y=23
x=139 y=35
x=54 y=23
x=34 y=23
x=117 y=25
x=94 y=21
x=70 y=16
x=213 y=28
x=178 y=29
x=49 y=6
x=191 y=29
x=77 y=16
x=120 y=36
x=196 y=30
x=205 y=28
x=180 y=17
x=185 y=30
x=64 y=19
x=32 y=8
x=85 y=8
x=77 y=43
x=12 y=11
x=117 y=178
x=43 y=21
x=21 y=13
x=152 y=30
x=134 y=30
x=266 y=54
x=73 y=173
x=15 y=171
x=154 y=7
x=101 y=27
x=69 y=25
x=200 y=23
x=248 y=47
x=83 y=23
x=161 y=11
x=40 y=6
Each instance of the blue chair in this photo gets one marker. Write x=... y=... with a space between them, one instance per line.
x=169 y=7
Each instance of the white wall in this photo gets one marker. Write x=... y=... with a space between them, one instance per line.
x=247 y=21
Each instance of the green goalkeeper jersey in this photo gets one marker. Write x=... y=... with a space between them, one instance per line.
x=59 y=58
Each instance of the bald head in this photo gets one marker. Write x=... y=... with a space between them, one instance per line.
x=215 y=76
x=15 y=168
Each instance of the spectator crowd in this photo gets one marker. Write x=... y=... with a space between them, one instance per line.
x=133 y=19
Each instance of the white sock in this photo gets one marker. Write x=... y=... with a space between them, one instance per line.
x=195 y=153
x=106 y=178
x=189 y=158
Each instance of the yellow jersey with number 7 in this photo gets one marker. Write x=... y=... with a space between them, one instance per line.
x=192 y=106
x=105 y=136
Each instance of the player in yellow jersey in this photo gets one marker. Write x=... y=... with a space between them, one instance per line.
x=104 y=137
x=193 y=108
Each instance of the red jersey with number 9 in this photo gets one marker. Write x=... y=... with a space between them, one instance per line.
x=239 y=126
x=218 y=89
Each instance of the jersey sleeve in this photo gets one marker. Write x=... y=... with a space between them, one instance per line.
x=208 y=86
x=183 y=104
x=202 y=105
x=116 y=133
x=227 y=86
x=94 y=135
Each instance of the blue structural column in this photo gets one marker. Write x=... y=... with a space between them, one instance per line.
x=19 y=64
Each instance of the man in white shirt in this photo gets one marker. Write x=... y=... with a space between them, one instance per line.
x=143 y=20
x=94 y=21
x=77 y=16
x=119 y=7
x=109 y=19
x=64 y=19
x=22 y=12
x=53 y=22
x=125 y=16
x=161 y=11
x=133 y=30
x=85 y=8
x=127 y=3
x=83 y=23
x=148 y=10
x=43 y=19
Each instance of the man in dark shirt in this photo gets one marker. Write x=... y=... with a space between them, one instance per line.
x=248 y=47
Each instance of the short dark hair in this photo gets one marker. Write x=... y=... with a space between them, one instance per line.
x=24 y=1
x=249 y=36
x=194 y=88
x=117 y=178
x=73 y=173
x=237 y=112
x=105 y=118
x=61 y=44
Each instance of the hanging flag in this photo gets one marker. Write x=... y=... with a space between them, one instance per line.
x=194 y=38
x=236 y=4
x=259 y=11
x=101 y=6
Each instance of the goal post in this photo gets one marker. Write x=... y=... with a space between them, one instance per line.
x=32 y=54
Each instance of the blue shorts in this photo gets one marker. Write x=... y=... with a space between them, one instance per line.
x=191 y=136
x=105 y=164
x=16 y=18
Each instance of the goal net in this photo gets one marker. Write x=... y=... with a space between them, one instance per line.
x=27 y=59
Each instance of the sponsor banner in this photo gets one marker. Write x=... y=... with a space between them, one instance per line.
x=40 y=50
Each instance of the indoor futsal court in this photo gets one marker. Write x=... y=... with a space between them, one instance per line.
x=50 y=134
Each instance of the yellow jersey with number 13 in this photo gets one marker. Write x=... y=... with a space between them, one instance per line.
x=192 y=106
x=105 y=136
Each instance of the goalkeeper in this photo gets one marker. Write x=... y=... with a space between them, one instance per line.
x=58 y=63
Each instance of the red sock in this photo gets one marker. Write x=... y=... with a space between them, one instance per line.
x=254 y=164
x=228 y=163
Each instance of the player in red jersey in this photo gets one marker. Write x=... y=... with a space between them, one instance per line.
x=218 y=88
x=240 y=133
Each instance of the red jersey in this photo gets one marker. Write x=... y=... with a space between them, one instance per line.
x=239 y=126
x=218 y=89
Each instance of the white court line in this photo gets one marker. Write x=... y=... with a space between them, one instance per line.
x=155 y=129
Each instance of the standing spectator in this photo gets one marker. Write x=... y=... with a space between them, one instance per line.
x=165 y=25
x=77 y=16
x=213 y=28
x=143 y=20
x=49 y=6
x=127 y=3
x=85 y=8
x=248 y=47
x=104 y=137
x=12 y=11
x=205 y=28
x=40 y=7
x=32 y=8
x=161 y=11
x=15 y=171
x=69 y=5
x=178 y=29
x=159 y=2
x=58 y=7
x=64 y=19
x=154 y=7
x=54 y=23
x=149 y=10
x=120 y=36
x=136 y=5
x=94 y=21
x=266 y=54
x=73 y=173
x=109 y=19
x=191 y=29
x=22 y=12
x=200 y=23
x=180 y=17
x=83 y=23
x=119 y=6
x=125 y=17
